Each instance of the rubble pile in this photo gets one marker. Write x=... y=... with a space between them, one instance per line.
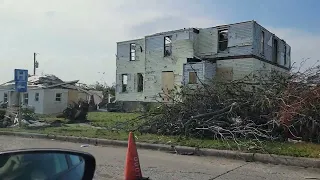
x=45 y=80
x=76 y=112
x=29 y=119
x=262 y=106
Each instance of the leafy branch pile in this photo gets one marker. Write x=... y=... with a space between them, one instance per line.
x=262 y=106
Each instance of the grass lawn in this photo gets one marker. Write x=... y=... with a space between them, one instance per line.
x=107 y=119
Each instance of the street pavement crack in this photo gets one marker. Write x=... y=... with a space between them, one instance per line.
x=229 y=171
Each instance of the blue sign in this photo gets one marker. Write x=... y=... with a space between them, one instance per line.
x=21 y=80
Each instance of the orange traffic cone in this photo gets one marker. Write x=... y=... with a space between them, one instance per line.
x=132 y=169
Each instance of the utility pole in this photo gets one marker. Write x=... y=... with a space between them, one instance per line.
x=34 y=63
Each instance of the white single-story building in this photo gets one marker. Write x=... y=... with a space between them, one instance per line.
x=47 y=94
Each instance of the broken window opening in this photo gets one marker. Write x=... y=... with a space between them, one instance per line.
x=167 y=46
x=124 y=82
x=140 y=82
x=262 y=42
x=275 y=50
x=223 y=39
x=5 y=97
x=36 y=97
x=132 y=52
x=25 y=98
x=285 y=54
x=58 y=97
x=192 y=77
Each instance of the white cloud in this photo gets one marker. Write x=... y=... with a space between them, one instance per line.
x=76 y=39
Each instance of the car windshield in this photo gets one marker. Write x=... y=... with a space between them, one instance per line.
x=237 y=82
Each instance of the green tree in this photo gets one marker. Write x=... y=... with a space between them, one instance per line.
x=106 y=89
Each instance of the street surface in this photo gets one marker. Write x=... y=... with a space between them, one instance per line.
x=164 y=166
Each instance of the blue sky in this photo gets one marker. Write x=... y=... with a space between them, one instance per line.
x=76 y=39
x=300 y=14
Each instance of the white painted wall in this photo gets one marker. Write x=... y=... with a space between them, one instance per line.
x=37 y=105
x=50 y=105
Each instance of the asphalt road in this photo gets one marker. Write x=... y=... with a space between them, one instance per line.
x=164 y=166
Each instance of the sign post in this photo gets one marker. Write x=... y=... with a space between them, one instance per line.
x=21 y=86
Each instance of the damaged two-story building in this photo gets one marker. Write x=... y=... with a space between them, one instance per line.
x=157 y=62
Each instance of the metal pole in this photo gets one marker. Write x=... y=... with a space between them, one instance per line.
x=19 y=110
x=34 y=63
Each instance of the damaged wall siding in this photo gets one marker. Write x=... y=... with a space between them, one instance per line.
x=205 y=71
x=239 y=68
x=234 y=69
x=156 y=63
x=268 y=42
x=131 y=68
x=240 y=40
x=207 y=42
x=50 y=105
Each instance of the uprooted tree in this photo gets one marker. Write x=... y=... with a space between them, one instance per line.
x=262 y=106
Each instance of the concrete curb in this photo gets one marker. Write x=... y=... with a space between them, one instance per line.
x=257 y=157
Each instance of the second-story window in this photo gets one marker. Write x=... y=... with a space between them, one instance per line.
x=275 y=50
x=132 y=52
x=167 y=45
x=223 y=39
x=262 y=42
x=285 y=54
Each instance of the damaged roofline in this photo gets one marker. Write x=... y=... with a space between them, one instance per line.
x=195 y=30
x=264 y=29
x=132 y=40
x=174 y=31
x=65 y=83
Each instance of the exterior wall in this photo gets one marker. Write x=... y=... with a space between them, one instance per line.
x=37 y=105
x=156 y=63
x=240 y=40
x=241 y=57
x=131 y=68
x=268 y=43
x=50 y=105
x=239 y=68
x=205 y=71
x=2 y=91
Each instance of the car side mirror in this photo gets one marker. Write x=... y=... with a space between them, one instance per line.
x=44 y=164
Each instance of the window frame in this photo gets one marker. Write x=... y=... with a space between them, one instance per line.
x=5 y=97
x=124 y=86
x=133 y=51
x=262 y=41
x=36 y=97
x=25 y=98
x=220 y=42
x=140 y=84
x=167 y=45
x=275 y=50
x=56 y=97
